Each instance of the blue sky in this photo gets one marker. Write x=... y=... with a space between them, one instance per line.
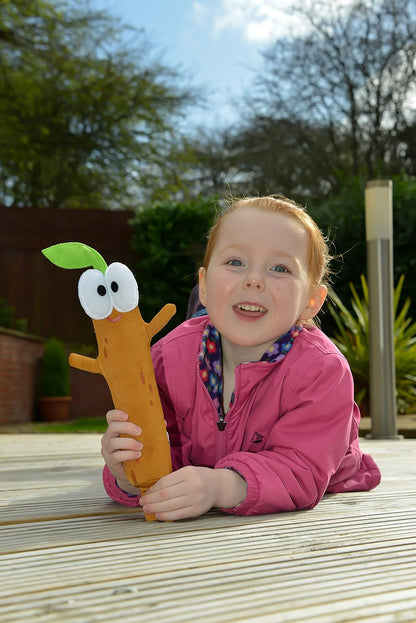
x=216 y=43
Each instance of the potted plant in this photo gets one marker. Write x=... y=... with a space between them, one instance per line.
x=55 y=396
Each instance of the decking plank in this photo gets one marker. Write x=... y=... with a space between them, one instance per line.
x=68 y=553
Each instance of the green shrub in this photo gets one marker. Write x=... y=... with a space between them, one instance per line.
x=55 y=380
x=352 y=338
x=169 y=243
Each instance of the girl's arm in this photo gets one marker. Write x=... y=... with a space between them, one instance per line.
x=313 y=444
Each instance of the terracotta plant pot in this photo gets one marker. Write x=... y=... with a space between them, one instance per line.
x=54 y=408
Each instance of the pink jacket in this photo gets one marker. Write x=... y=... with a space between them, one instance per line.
x=291 y=433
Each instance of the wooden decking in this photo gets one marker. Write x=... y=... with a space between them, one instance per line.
x=67 y=553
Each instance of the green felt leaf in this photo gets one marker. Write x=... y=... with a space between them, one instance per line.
x=74 y=255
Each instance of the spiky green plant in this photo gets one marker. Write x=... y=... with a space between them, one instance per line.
x=352 y=338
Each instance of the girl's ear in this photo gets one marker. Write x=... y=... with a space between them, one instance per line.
x=202 y=274
x=315 y=303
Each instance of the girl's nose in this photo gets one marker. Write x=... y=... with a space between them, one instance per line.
x=254 y=282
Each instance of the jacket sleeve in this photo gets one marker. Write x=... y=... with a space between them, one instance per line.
x=306 y=445
x=114 y=491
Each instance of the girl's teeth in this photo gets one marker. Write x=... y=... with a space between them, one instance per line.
x=251 y=308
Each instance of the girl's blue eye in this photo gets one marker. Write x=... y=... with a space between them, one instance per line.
x=279 y=269
x=235 y=263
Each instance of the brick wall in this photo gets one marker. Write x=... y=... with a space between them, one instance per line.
x=20 y=361
x=19 y=364
x=90 y=395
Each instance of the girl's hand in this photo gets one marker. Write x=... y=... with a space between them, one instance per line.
x=116 y=449
x=192 y=491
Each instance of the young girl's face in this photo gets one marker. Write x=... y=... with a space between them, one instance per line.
x=257 y=286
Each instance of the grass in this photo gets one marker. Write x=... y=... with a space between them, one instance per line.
x=83 y=425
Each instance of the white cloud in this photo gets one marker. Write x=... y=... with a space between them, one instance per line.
x=259 y=21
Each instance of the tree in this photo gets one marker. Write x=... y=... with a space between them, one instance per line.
x=84 y=115
x=334 y=100
x=211 y=168
x=278 y=155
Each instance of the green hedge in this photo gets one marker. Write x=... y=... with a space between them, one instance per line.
x=169 y=244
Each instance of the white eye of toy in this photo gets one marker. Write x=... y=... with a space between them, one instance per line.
x=122 y=287
x=93 y=294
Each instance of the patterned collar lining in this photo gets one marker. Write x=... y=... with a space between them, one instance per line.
x=210 y=362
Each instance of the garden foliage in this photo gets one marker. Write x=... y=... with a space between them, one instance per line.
x=169 y=243
x=352 y=338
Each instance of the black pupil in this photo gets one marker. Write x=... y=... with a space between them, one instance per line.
x=114 y=286
x=102 y=290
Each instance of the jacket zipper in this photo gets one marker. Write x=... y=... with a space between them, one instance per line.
x=220 y=444
x=222 y=424
x=220 y=434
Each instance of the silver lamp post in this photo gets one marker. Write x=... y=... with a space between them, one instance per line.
x=379 y=235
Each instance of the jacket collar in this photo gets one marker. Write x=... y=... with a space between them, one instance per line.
x=210 y=360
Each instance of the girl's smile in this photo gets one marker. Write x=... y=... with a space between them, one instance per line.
x=249 y=311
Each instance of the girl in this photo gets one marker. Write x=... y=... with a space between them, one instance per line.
x=259 y=403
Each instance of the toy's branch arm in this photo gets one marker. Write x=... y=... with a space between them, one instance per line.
x=84 y=363
x=161 y=319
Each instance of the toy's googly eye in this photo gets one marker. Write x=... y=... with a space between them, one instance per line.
x=122 y=287
x=93 y=294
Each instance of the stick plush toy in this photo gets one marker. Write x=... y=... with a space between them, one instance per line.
x=109 y=295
